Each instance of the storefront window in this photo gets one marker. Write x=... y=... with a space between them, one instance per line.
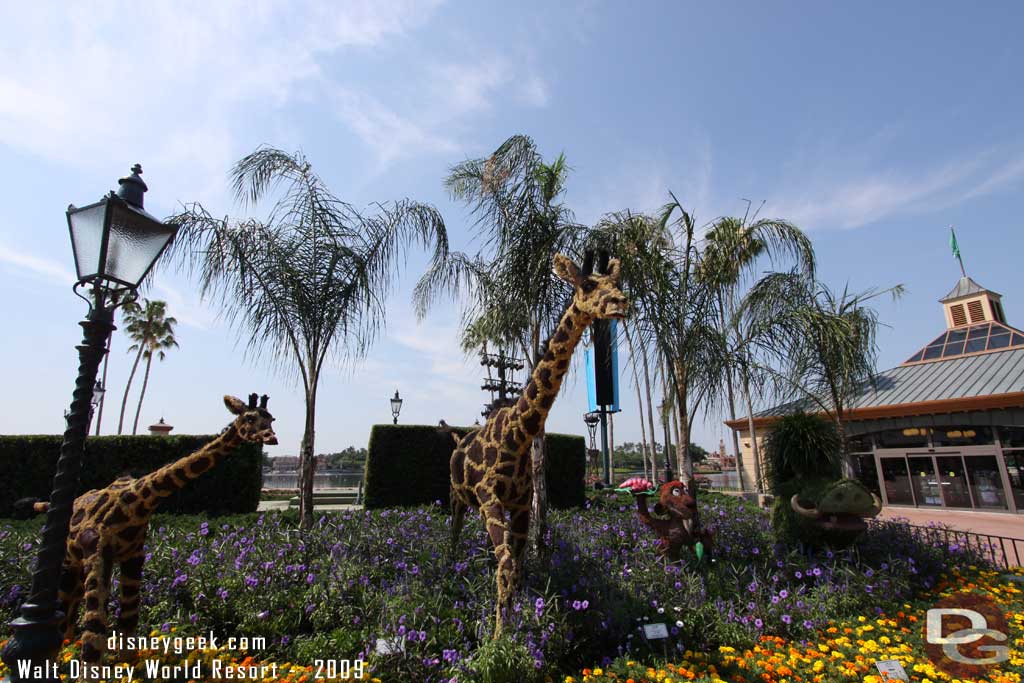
x=962 y=436
x=910 y=437
x=866 y=472
x=860 y=444
x=1011 y=437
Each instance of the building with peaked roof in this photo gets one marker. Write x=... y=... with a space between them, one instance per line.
x=946 y=427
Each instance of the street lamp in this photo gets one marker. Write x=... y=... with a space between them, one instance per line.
x=115 y=244
x=396 y=406
x=592 y=419
x=97 y=398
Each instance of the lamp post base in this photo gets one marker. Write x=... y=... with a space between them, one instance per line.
x=32 y=654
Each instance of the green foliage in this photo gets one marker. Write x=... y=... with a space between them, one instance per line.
x=502 y=661
x=801 y=446
x=28 y=464
x=409 y=465
x=630 y=455
x=348 y=458
x=361 y=576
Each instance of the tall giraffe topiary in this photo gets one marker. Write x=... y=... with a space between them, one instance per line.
x=108 y=527
x=491 y=467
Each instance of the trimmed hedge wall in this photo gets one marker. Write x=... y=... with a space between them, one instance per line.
x=28 y=463
x=408 y=465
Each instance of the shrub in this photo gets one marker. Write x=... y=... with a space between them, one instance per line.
x=28 y=463
x=408 y=465
x=801 y=446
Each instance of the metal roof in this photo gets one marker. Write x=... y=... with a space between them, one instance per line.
x=965 y=286
x=987 y=374
x=998 y=372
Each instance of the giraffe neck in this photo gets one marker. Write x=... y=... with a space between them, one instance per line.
x=540 y=392
x=173 y=476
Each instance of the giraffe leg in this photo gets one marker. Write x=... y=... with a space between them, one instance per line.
x=131 y=579
x=71 y=589
x=458 y=516
x=497 y=529
x=97 y=587
x=519 y=528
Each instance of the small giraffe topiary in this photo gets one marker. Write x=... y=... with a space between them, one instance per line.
x=108 y=527
x=491 y=466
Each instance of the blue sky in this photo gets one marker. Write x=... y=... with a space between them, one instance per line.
x=872 y=127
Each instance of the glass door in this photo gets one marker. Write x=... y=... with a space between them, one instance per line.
x=953 y=481
x=1015 y=470
x=985 y=482
x=925 y=481
x=896 y=481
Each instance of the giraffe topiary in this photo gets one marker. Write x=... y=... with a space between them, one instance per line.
x=108 y=527
x=491 y=466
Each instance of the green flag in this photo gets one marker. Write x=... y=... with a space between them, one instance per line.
x=952 y=243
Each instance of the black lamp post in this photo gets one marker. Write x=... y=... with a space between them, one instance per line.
x=396 y=406
x=97 y=398
x=115 y=243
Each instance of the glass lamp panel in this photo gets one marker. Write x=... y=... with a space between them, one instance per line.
x=136 y=240
x=86 y=226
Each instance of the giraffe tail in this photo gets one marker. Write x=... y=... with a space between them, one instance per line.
x=27 y=508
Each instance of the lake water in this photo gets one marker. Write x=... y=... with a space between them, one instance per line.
x=321 y=480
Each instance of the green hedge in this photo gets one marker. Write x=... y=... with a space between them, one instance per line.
x=409 y=465
x=28 y=463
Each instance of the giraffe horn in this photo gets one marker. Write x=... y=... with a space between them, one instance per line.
x=263 y=401
x=252 y=400
x=602 y=261
x=588 y=262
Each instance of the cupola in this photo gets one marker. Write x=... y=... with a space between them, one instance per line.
x=969 y=304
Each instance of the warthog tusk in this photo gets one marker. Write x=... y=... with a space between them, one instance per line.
x=794 y=503
x=876 y=508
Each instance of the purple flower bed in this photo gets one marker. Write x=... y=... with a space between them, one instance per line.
x=360 y=579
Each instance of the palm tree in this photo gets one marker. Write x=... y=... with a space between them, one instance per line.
x=733 y=246
x=147 y=326
x=822 y=342
x=511 y=299
x=161 y=339
x=308 y=281
x=659 y=264
x=645 y=254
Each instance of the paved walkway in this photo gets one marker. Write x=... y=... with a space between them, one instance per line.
x=992 y=523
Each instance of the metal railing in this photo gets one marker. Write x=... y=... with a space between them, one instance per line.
x=1003 y=551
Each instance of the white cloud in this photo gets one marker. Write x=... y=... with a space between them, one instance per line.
x=856 y=201
x=389 y=134
x=51 y=271
x=167 y=84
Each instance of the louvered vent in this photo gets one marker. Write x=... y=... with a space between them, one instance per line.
x=977 y=313
x=958 y=315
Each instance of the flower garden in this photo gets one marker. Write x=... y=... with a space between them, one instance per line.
x=379 y=587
